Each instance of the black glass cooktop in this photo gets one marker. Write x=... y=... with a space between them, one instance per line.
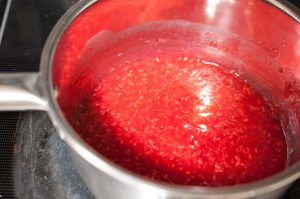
x=34 y=162
x=24 y=27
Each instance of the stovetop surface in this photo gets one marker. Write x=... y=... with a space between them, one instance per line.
x=24 y=27
x=34 y=162
x=41 y=161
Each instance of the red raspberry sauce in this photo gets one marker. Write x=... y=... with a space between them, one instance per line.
x=184 y=121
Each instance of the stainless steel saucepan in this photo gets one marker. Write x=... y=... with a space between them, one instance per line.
x=271 y=25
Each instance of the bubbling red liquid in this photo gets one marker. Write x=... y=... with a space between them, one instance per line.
x=185 y=121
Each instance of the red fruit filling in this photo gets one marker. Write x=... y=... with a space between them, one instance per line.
x=184 y=121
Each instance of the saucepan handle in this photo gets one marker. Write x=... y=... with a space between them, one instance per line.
x=21 y=91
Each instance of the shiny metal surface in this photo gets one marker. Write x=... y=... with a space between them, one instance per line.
x=105 y=178
x=20 y=91
x=287 y=8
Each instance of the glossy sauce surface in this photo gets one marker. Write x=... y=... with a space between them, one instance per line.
x=185 y=121
x=192 y=123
